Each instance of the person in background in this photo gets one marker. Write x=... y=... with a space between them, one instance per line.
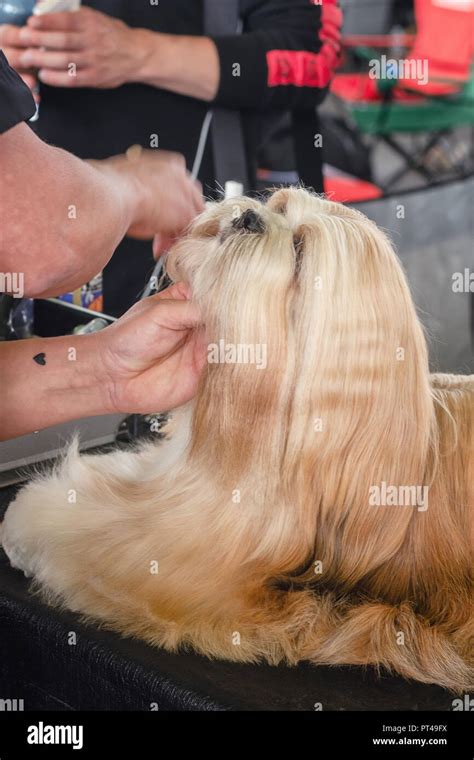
x=146 y=74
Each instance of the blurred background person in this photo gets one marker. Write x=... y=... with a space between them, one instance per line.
x=147 y=75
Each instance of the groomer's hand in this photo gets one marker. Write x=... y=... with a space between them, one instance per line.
x=13 y=44
x=165 y=197
x=148 y=361
x=151 y=358
x=101 y=48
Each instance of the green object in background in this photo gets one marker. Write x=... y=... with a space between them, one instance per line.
x=426 y=114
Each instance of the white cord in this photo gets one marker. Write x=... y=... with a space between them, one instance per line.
x=201 y=145
x=194 y=174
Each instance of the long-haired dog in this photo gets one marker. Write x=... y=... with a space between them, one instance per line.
x=313 y=505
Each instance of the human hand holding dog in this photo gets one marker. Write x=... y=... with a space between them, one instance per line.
x=150 y=360
x=152 y=357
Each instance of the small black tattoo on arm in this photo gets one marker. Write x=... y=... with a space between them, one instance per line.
x=40 y=359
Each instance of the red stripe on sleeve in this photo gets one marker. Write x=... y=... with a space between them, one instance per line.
x=331 y=18
x=302 y=68
x=298 y=68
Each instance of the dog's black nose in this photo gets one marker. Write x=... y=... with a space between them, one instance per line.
x=249 y=221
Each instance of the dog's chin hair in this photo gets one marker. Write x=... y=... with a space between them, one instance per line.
x=247 y=534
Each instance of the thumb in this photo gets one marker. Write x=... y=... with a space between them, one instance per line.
x=175 y=314
x=161 y=243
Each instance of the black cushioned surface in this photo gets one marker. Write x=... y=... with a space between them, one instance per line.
x=104 y=671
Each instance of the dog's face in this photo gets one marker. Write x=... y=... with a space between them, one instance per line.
x=317 y=381
x=239 y=260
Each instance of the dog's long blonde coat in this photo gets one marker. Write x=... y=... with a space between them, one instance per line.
x=248 y=535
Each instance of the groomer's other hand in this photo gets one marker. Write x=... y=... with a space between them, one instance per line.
x=85 y=48
x=101 y=48
x=166 y=198
x=13 y=44
x=153 y=356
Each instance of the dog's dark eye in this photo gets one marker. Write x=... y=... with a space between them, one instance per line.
x=249 y=221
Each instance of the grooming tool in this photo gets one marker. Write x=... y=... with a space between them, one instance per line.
x=52 y=6
x=92 y=327
x=233 y=190
x=55 y=6
x=158 y=269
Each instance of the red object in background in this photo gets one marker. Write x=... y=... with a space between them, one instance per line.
x=350 y=189
x=444 y=39
x=361 y=87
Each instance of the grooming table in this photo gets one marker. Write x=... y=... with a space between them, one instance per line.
x=103 y=671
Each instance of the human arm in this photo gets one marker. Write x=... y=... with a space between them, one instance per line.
x=63 y=217
x=286 y=54
x=148 y=361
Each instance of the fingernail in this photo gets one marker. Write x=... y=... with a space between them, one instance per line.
x=26 y=59
x=24 y=35
x=34 y=21
x=134 y=152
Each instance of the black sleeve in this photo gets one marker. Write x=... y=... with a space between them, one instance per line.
x=16 y=101
x=285 y=56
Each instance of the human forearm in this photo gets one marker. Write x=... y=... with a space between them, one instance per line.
x=108 y=53
x=149 y=360
x=64 y=383
x=65 y=218
x=184 y=64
